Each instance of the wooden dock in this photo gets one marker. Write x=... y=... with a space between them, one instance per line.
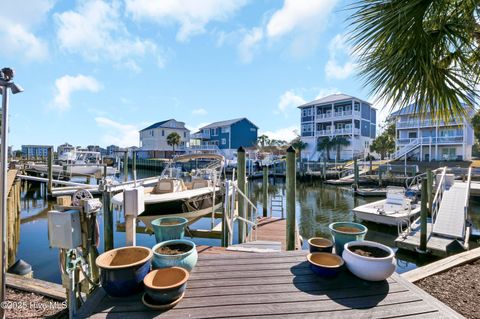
x=276 y=285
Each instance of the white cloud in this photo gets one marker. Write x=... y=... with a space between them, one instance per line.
x=196 y=128
x=67 y=84
x=289 y=100
x=191 y=15
x=95 y=31
x=333 y=68
x=326 y=91
x=286 y=133
x=249 y=44
x=116 y=133
x=18 y=20
x=199 y=111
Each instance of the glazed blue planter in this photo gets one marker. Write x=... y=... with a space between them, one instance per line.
x=168 y=228
x=319 y=244
x=186 y=260
x=122 y=270
x=345 y=232
x=325 y=264
x=166 y=285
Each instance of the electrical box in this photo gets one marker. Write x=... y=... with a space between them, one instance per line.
x=64 y=230
x=134 y=201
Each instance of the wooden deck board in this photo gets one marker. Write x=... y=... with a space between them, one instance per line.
x=220 y=287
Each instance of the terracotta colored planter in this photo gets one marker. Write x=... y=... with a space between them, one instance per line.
x=319 y=244
x=166 y=285
x=122 y=270
x=325 y=264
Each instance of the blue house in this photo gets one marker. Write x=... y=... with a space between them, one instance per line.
x=35 y=151
x=226 y=136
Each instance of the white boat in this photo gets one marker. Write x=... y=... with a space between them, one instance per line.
x=75 y=163
x=396 y=209
x=198 y=193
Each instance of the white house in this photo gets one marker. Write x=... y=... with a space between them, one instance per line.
x=338 y=115
x=153 y=139
x=427 y=140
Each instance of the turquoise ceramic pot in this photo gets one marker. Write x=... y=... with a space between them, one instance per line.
x=345 y=232
x=168 y=228
x=187 y=260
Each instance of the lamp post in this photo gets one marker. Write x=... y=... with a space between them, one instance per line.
x=6 y=76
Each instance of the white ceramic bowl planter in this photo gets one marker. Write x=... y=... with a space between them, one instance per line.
x=369 y=267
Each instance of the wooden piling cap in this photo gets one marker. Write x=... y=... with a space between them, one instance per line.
x=291 y=149
x=241 y=149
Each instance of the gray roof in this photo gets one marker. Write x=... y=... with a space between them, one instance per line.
x=159 y=124
x=332 y=98
x=226 y=123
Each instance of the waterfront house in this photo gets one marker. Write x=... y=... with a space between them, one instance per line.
x=427 y=139
x=225 y=137
x=337 y=115
x=112 y=150
x=153 y=139
x=35 y=151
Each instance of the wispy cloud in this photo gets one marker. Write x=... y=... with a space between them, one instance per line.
x=199 y=111
x=117 y=133
x=286 y=133
x=191 y=15
x=289 y=100
x=249 y=44
x=67 y=84
x=336 y=49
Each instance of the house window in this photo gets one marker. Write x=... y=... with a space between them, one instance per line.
x=213 y=132
x=412 y=134
x=224 y=141
x=163 y=132
x=225 y=130
x=184 y=134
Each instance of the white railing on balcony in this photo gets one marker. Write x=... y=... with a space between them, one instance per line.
x=431 y=140
x=426 y=123
x=200 y=135
x=333 y=115
x=204 y=147
x=338 y=131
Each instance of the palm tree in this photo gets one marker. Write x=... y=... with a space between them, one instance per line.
x=419 y=51
x=173 y=139
x=299 y=145
x=338 y=142
x=263 y=140
x=324 y=145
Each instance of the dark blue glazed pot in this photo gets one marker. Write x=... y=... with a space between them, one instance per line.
x=122 y=270
x=319 y=244
x=166 y=285
x=168 y=228
x=325 y=264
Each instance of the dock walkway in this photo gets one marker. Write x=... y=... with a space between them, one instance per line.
x=276 y=285
x=451 y=216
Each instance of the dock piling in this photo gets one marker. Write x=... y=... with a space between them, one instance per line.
x=265 y=190
x=107 y=216
x=423 y=217
x=50 y=170
x=291 y=184
x=125 y=166
x=355 y=174
x=241 y=180
x=430 y=190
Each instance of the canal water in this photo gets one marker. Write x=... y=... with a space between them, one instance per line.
x=317 y=206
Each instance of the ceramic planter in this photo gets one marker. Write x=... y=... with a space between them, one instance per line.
x=168 y=228
x=369 y=268
x=325 y=264
x=122 y=270
x=166 y=285
x=319 y=244
x=185 y=260
x=344 y=232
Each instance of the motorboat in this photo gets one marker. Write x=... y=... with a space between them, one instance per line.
x=396 y=209
x=190 y=194
x=75 y=163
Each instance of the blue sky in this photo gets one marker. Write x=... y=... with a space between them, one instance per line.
x=95 y=72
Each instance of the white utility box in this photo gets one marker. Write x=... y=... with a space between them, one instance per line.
x=64 y=230
x=134 y=201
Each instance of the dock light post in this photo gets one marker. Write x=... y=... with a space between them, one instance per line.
x=6 y=76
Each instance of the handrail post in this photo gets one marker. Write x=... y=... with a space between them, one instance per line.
x=241 y=180
x=291 y=192
x=265 y=190
x=430 y=190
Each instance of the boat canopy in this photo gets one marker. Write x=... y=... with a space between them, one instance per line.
x=189 y=157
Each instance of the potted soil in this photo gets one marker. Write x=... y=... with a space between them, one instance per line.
x=344 y=232
x=122 y=270
x=369 y=260
x=168 y=228
x=175 y=253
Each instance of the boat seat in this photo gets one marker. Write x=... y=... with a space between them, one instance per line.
x=200 y=183
x=164 y=186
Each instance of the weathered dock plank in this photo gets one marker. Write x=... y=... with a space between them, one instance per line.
x=37 y=286
x=221 y=287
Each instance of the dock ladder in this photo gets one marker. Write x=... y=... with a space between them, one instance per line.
x=276 y=205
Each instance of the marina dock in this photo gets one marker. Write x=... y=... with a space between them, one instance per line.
x=276 y=285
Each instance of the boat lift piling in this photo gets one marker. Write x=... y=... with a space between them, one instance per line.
x=291 y=185
x=125 y=166
x=265 y=190
x=50 y=170
x=107 y=214
x=241 y=180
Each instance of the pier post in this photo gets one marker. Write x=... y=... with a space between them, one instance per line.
x=324 y=168
x=380 y=183
x=107 y=216
x=291 y=185
x=241 y=180
x=225 y=215
x=355 y=174
x=125 y=166
x=134 y=166
x=423 y=217
x=430 y=190
x=50 y=169
x=265 y=191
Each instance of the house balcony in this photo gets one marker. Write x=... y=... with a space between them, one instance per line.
x=426 y=123
x=432 y=140
x=338 y=131
x=200 y=136
x=337 y=115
